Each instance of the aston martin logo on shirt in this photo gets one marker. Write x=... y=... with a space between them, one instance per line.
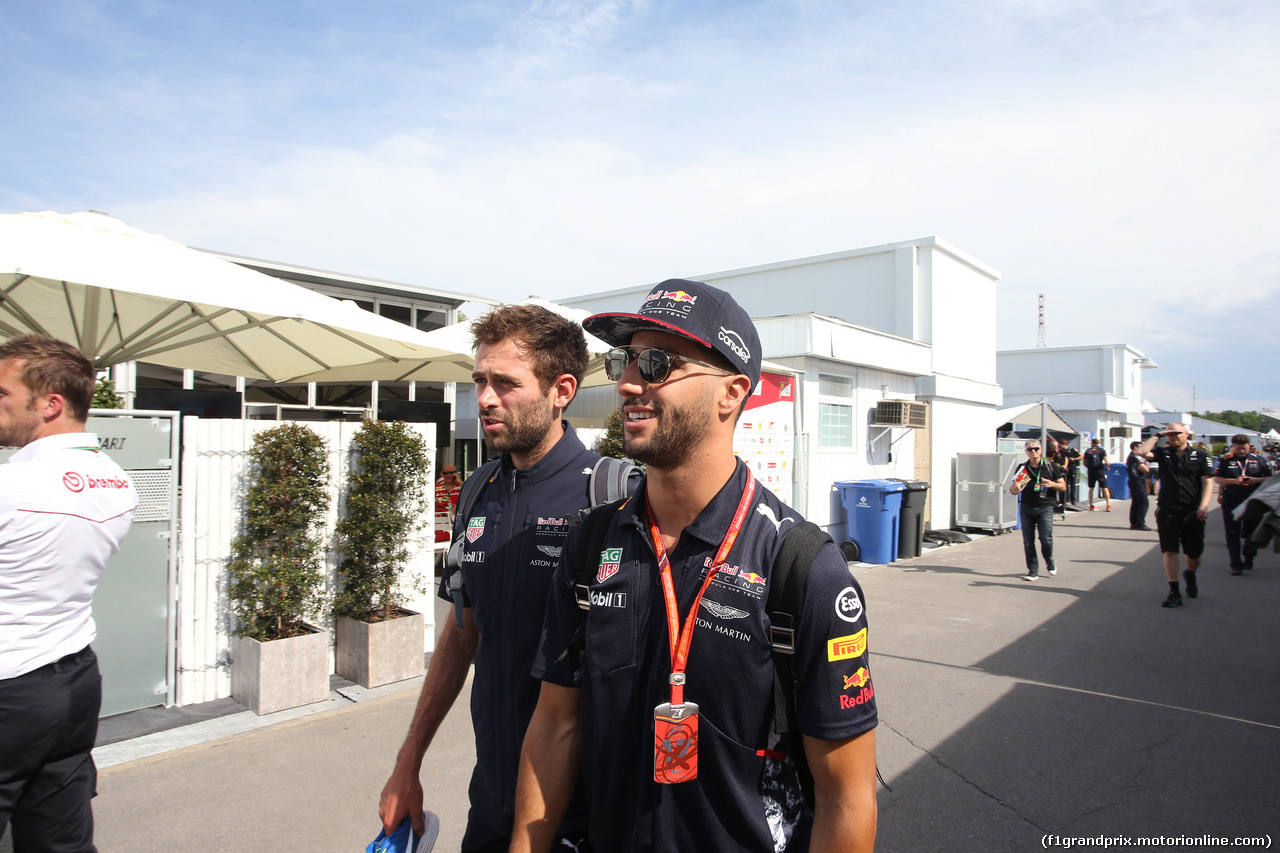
x=721 y=611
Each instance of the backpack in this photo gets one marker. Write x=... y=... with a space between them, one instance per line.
x=608 y=483
x=787 y=585
x=1093 y=457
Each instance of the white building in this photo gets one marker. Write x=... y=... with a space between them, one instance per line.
x=910 y=321
x=1097 y=389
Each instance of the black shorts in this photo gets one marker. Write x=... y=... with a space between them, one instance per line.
x=1180 y=525
x=1098 y=477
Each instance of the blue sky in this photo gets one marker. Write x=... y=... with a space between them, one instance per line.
x=1120 y=157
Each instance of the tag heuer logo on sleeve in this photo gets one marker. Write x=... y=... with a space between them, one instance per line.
x=475 y=528
x=610 y=560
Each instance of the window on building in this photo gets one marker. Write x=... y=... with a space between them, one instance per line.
x=392 y=311
x=835 y=411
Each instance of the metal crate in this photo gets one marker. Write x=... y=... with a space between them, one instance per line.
x=982 y=500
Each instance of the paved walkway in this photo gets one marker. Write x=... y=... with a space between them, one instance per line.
x=1074 y=706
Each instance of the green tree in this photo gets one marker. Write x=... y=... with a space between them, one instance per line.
x=105 y=396
x=276 y=570
x=611 y=442
x=386 y=505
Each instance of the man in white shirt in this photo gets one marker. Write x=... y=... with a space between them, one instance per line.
x=64 y=509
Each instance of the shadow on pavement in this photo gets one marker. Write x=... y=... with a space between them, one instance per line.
x=1008 y=714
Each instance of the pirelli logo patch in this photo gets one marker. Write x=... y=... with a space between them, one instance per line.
x=850 y=646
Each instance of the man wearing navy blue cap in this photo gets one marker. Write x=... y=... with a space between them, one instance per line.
x=677 y=739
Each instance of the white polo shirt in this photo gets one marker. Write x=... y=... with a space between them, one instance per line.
x=64 y=509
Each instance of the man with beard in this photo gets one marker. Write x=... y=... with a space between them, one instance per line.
x=1186 y=485
x=678 y=741
x=64 y=510
x=529 y=363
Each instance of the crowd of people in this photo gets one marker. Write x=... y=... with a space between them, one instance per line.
x=1187 y=477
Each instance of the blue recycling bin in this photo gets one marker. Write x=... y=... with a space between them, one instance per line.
x=1118 y=481
x=872 y=509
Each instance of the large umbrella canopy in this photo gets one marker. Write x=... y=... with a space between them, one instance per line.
x=453 y=356
x=121 y=294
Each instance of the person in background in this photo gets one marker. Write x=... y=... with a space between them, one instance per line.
x=1038 y=480
x=1137 y=469
x=1072 y=467
x=1095 y=463
x=1238 y=476
x=448 y=487
x=1186 y=487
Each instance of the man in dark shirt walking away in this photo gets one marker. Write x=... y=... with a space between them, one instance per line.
x=1095 y=462
x=1136 y=467
x=1039 y=481
x=1186 y=485
x=1239 y=474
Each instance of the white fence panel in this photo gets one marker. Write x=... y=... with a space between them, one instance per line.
x=214 y=483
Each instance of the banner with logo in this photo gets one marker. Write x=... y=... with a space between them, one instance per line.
x=766 y=433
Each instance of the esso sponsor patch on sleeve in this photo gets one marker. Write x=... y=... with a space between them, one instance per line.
x=849 y=605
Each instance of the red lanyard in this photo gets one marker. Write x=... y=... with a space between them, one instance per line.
x=680 y=640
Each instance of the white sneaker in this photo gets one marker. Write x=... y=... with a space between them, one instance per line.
x=1029 y=577
x=429 y=833
x=1053 y=570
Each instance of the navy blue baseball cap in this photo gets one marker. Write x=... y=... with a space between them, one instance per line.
x=704 y=314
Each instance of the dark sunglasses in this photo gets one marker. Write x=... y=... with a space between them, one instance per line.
x=655 y=365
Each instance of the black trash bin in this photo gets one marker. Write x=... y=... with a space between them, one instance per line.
x=911 y=518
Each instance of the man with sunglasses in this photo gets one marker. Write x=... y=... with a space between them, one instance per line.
x=529 y=363
x=661 y=693
x=1038 y=480
x=1182 y=504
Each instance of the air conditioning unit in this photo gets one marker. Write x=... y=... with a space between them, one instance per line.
x=1121 y=432
x=901 y=413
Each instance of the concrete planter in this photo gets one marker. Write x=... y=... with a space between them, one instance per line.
x=376 y=653
x=280 y=674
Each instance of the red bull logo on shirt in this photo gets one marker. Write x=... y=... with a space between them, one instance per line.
x=866 y=695
x=858 y=679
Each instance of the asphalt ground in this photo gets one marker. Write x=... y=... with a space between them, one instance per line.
x=1010 y=713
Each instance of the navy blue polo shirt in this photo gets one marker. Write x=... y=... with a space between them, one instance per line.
x=1232 y=466
x=514 y=536
x=747 y=795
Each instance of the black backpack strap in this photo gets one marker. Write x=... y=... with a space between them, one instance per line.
x=586 y=555
x=786 y=599
x=471 y=489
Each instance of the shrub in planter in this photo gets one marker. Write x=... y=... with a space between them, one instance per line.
x=276 y=574
x=276 y=569
x=386 y=506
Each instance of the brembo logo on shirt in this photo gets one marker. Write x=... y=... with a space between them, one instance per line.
x=78 y=482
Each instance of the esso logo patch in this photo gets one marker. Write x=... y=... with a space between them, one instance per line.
x=848 y=605
x=73 y=481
